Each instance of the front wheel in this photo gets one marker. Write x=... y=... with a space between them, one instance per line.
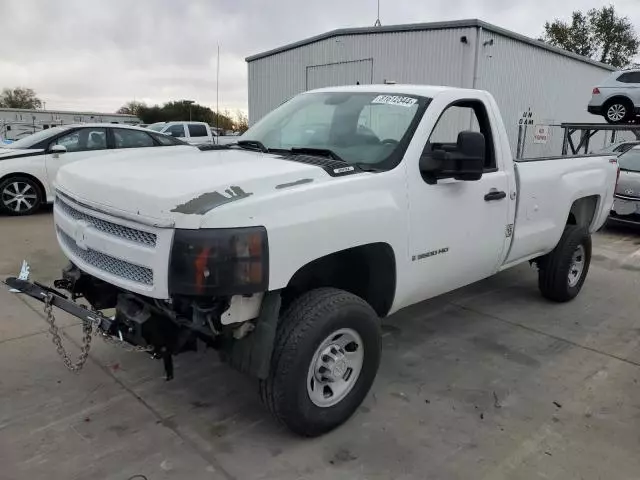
x=562 y=272
x=19 y=196
x=324 y=362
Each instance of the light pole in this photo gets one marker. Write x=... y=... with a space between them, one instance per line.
x=189 y=102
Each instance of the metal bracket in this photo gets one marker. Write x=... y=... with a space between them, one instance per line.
x=40 y=292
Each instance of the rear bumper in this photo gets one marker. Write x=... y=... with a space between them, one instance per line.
x=596 y=110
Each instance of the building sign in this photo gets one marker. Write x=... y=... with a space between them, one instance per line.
x=541 y=133
x=526 y=118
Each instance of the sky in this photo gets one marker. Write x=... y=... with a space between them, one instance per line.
x=96 y=54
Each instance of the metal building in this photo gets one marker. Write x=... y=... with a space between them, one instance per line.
x=523 y=74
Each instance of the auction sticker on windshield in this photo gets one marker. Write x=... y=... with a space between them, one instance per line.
x=395 y=100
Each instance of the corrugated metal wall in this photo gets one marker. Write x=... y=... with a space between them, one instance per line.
x=556 y=88
x=436 y=57
x=521 y=76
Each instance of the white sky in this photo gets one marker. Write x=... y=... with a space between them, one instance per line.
x=99 y=54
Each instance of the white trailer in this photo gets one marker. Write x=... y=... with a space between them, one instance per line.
x=16 y=123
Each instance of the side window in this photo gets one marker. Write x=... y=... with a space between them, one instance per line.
x=166 y=140
x=131 y=138
x=629 y=77
x=463 y=116
x=83 y=140
x=197 y=130
x=176 y=130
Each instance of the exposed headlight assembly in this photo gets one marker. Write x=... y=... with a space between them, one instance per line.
x=225 y=261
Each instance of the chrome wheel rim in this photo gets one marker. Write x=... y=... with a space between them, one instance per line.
x=335 y=367
x=19 y=196
x=616 y=112
x=577 y=266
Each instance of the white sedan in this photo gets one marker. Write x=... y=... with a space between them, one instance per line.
x=29 y=166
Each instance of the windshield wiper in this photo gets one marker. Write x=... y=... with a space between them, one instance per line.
x=253 y=143
x=324 y=152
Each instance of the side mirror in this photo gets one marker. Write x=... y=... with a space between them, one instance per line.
x=57 y=149
x=168 y=133
x=464 y=161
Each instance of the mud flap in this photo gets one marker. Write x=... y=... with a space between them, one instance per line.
x=252 y=354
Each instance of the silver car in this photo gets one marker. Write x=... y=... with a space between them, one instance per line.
x=626 y=205
x=617 y=98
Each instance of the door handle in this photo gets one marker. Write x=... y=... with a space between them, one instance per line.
x=494 y=195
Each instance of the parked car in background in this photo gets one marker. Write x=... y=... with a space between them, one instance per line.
x=194 y=133
x=28 y=167
x=617 y=98
x=620 y=147
x=626 y=205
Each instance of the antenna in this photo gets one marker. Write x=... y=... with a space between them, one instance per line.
x=378 y=24
x=217 y=93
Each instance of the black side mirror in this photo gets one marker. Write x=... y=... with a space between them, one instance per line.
x=464 y=161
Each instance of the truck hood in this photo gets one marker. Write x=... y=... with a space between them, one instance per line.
x=165 y=185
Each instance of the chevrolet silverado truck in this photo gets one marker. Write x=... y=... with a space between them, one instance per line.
x=284 y=251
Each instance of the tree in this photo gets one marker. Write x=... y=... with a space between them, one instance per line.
x=241 y=122
x=19 y=97
x=599 y=34
x=132 y=108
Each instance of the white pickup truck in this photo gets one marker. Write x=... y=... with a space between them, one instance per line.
x=194 y=133
x=340 y=207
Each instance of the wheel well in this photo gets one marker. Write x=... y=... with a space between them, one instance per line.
x=618 y=98
x=43 y=192
x=368 y=271
x=582 y=211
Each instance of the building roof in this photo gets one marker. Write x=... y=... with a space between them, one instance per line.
x=70 y=112
x=412 y=27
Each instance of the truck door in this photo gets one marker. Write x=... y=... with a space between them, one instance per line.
x=457 y=227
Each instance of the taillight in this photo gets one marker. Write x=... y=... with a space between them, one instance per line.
x=596 y=91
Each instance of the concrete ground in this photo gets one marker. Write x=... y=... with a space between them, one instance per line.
x=488 y=382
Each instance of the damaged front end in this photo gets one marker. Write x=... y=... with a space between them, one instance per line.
x=162 y=328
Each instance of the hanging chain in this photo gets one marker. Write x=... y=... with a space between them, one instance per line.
x=87 y=329
x=87 y=332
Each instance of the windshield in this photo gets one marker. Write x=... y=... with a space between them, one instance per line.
x=359 y=127
x=630 y=160
x=31 y=140
x=156 y=127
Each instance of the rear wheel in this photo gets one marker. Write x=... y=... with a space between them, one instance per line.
x=324 y=362
x=562 y=272
x=618 y=111
x=19 y=196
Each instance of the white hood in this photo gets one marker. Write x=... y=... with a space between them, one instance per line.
x=7 y=153
x=160 y=184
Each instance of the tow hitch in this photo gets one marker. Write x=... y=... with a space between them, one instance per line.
x=94 y=323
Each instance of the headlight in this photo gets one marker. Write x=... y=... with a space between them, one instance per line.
x=225 y=261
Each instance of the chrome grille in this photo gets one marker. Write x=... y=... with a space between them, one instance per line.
x=107 y=263
x=131 y=234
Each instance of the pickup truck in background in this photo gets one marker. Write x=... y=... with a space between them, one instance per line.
x=342 y=206
x=194 y=133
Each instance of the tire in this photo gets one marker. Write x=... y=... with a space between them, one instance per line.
x=313 y=318
x=20 y=196
x=560 y=275
x=618 y=111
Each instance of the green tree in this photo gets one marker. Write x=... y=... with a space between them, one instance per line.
x=132 y=108
x=599 y=34
x=19 y=97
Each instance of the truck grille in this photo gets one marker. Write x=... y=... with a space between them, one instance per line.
x=131 y=234
x=107 y=263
